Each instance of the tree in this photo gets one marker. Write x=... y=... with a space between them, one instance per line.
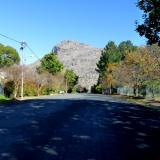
x=51 y=64
x=109 y=81
x=37 y=80
x=71 y=79
x=42 y=83
x=9 y=89
x=155 y=52
x=110 y=54
x=137 y=69
x=151 y=25
x=8 y=56
x=126 y=47
x=13 y=73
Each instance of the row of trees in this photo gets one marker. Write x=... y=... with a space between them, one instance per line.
x=52 y=66
x=111 y=56
x=128 y=65
x=49 y=77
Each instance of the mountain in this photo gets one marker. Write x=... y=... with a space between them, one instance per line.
x=81 y=58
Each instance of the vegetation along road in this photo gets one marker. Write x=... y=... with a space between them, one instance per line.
x=78 y=127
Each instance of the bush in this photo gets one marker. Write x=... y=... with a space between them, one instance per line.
x=9 y=89
x=74 y=90
x=29 y=89
x=96 y=89
x=49 y=91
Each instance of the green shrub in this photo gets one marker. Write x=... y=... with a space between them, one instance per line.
x=30 y=90
x=74 y=89
x=96 y=88
x=48 y=91
x=9 y=89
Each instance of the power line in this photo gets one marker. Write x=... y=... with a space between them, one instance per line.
x=21 y=43
x=12 y=39
x=33 y=52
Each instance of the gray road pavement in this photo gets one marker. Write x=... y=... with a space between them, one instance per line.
x=78 y=127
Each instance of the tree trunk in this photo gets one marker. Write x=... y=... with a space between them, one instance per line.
x=134 y=91
x=16 y=90
x=38 y=90
x=110 y=90
x=152 y=91
x=137 y=92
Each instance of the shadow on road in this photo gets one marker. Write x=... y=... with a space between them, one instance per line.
x=47 y=129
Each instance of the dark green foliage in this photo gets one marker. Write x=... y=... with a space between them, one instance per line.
x=51 y=64
x=9 y=89
x=8 y=56
x=126 y=47
x=110 y=54
x=71 y=79
x=151 y=25
x=142 y=91
x=96 y=89
x=69 y=90
x=47 y=91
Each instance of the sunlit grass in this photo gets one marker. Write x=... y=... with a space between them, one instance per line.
x=3 y=99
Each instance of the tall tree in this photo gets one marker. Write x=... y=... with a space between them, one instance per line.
x=8 y=56
x=126 y=47
x=151 y=25
x=109 y=81
x=110 y=54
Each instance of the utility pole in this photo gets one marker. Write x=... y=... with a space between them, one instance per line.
x=23 y=45
x=66 y=85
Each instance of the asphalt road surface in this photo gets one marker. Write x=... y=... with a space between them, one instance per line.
x=78 y=127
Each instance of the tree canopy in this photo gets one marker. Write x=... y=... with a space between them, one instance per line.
x=51 y=64
x=110 y=54
x=151 y=25
x=126 y=47
x=139 y=69
x=8 y=56
x=71 y=78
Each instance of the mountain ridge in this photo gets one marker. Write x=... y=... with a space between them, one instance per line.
x=79 y=57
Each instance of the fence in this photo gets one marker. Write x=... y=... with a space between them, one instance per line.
x=1 y=89
x=149 y=91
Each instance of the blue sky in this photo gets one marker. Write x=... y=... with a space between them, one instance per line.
x=44 y=23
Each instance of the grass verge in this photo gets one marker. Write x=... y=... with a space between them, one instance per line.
x=4 y=99
x=141 y=101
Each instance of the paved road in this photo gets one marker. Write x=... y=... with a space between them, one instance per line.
x=78 y=127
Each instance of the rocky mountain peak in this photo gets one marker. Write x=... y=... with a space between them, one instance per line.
x=81 y=58
x=65 y=45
